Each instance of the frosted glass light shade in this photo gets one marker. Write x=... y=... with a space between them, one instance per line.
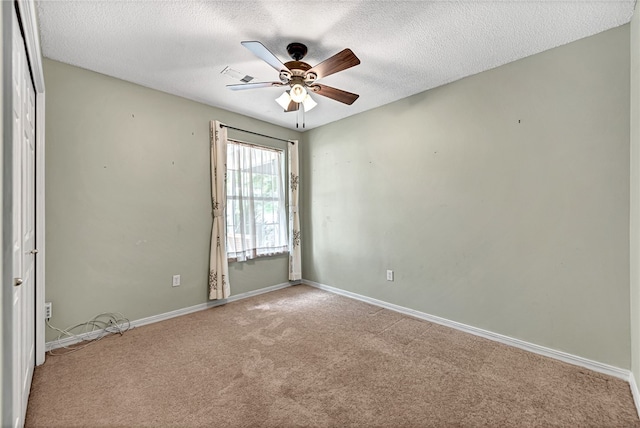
x=308 y=103
x=284 y=100
x=298 y=93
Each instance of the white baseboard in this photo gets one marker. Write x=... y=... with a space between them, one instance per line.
x=634 y=391
x=165 y=316
x=527 y=346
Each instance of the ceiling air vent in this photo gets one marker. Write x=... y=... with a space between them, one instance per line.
x=235 y=74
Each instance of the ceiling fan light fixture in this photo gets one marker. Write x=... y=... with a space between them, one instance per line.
x=298 y=93
x=284 y=100
x=308 y=103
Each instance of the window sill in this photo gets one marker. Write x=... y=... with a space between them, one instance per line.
x=266 y=256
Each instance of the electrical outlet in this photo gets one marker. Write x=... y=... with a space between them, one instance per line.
x=47 y=310
x=389 y=275
x=176 y=280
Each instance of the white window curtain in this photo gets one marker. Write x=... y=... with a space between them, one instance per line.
x=218 y=262
x=295 y=254
x=256 y=212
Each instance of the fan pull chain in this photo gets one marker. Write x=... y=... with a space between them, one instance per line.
x=300 y=109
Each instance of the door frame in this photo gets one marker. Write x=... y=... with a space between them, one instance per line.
x=26 y=14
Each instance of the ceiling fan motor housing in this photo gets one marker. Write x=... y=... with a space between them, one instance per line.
x=297 y=69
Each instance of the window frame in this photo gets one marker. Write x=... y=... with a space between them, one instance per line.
x=285 y=199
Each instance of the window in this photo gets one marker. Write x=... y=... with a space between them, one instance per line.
x=256 y=218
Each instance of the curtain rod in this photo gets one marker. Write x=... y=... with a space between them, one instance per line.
x=255 y=133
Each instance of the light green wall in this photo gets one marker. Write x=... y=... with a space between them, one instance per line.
x=128 y=198
x=635 y=196
x=500 y=201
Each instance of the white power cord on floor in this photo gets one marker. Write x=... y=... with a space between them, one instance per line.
x=104 y=323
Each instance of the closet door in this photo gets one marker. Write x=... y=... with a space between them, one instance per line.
x=24 y=252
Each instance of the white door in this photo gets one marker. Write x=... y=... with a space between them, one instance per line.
x=24 y=252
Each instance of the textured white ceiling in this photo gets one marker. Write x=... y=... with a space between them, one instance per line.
x=405 y=47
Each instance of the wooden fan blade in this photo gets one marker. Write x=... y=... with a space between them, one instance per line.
x=255 y=85
x=293 y=106
x=259 y=50
x=340 y=61
x=335 y=94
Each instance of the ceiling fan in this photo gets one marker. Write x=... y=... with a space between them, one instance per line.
x=301 y=77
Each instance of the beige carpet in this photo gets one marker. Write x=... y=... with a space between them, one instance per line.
x=304 y=357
